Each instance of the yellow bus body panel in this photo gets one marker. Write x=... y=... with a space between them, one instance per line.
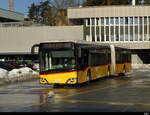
x=128 y=67
x=81 y=76
x=120 y=67
x=96 y=72
x=60 y=78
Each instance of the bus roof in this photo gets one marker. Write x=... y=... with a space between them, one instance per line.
x=81 y=42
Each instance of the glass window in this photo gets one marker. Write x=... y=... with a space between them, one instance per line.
x=121 y=20
x=116 y=20
x=93 y=39
x=54 y=60
x=112 y=21
x=131 y=33
x=131 y=20
x=102 y=21
x=126 y=33
x=107 y=33
x=112 y=33
x=93 y=21
x=121 y=33
x=145 y=20
x=88 y=22
x=117 y=33
x=141 y=21
x=136 y=33
x=107 y=21
x=98 y=39
x=136 y=20
x=126 y=20
x=141 y=32
x=102 y=33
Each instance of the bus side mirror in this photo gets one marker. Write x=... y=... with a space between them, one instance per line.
x=33 y=48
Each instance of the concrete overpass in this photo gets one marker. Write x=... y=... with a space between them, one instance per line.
x=10 y=16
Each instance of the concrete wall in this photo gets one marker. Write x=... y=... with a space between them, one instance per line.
x=136 y=59
x=108 y=11
x=20 y=39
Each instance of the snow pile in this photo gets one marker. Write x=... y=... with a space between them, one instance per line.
x=141 y=66
x=3 y=73
x=17 y=75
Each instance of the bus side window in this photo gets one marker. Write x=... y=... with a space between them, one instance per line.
x=83 y=60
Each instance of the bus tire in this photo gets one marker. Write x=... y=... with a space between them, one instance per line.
x=88 y=77
x=108 y=72
x=123 y=72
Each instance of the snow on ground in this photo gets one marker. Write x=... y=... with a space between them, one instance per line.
x=15 y=75
x=3 y=73
x=141 y=66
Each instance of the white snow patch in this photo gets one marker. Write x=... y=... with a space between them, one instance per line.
x=51 y=94
x=3 y=73
x=14 y=75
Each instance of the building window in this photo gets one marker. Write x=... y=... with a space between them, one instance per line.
x=107 y=21
x=116 y=20
x=136 y=20
x=121 y=20
x=131 y=20
x=112 y=21
x=98 y=38
x=102 y=21
x=126 y=20
x=102 y=33
x=107 y=33
x=141 y=20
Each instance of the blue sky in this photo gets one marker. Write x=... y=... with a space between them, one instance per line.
x=20 y=5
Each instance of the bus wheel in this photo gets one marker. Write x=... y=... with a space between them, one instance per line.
x=123 y=72
x=108 y=73
x=88 y=77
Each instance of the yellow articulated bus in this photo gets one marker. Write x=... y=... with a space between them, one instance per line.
x=79 y=62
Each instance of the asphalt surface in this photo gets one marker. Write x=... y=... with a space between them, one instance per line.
x=130 y=93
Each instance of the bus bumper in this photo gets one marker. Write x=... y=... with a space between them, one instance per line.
x=59 y=78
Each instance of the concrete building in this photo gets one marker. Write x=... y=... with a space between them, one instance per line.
x=119 y=25
x=16 y=42
x=127 y=26
x=10 y=16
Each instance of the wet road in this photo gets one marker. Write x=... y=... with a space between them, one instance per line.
x=130 y=93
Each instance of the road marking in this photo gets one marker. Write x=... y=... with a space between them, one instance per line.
x=108 y=102
x=98 y=89
x=83 y=92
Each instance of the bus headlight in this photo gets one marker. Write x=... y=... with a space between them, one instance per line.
x=72 y=80
x=43 y=80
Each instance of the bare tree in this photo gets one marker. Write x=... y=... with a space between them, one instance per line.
x=60 y=4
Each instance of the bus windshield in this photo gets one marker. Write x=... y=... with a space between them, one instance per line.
x=56 y=60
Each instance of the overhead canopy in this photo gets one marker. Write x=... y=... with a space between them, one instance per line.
x=7 y=16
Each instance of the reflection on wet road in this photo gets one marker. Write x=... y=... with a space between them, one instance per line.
x=114 y=94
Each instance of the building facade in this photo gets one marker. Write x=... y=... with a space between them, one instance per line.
x=127 y=26
x=113 y=24
x=10 y=16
